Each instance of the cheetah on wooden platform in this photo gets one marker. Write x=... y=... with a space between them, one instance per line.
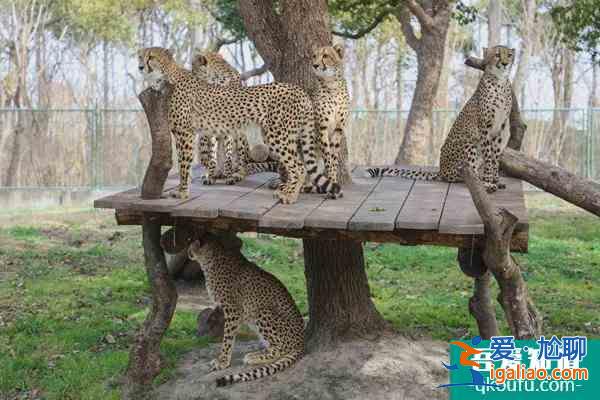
x=330 y=103
x=248 y=294
x=212 y=68
x=478 y=135
x=283 y=112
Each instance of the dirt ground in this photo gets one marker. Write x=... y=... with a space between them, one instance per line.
x=392 y=368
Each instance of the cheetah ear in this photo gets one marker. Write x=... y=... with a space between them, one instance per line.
x=169 y=53
x=140 y=52
x=339 y=49
x=201 y=59
x=315 y=50
x=485 y=52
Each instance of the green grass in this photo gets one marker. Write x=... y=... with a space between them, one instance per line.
x=68 y=282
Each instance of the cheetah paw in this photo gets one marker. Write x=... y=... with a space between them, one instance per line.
x=216 y=365
x=233 y=179
x=183 y=195
x=208 y=180
x=501 y=185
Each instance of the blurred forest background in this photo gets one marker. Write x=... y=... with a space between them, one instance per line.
x=69 y=116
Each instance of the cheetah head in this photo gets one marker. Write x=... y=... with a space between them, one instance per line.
x=154 y=60
x=499 y=60
x=327 y=60
x=200 y=66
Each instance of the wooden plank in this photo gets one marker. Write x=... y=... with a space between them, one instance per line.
x=291 y=216
x=460 y=215
x=122 y=200
x=423 y=206
x=216 y=197
x=513 y=199
x=336 y=214
x=379 y=211
x=251 y=205
x=167 y=203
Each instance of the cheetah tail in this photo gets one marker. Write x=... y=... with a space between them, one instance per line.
x=403 y=173
x=258 y=167
x=257 y=373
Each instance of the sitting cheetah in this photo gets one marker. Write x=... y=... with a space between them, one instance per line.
x=330 y=103
x=283 y=112
x=212 y=68
x=247 y=294
x=478 y=133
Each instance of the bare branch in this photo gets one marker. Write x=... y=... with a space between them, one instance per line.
x=367 y=29
x=220 y=42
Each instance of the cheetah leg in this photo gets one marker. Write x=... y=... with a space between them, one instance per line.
x=497 y=150
x=289 y=189
x=229 y=158
x=210 y=161
x=184 y=142
x=205 y=153
x=489 y=163
x=241 y=144
x=329 y=155
x=232 y=325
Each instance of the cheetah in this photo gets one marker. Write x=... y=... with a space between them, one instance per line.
x=212 y=68
x=248 y=294
x=330 y=103
x=283 y=112
x=478 y=133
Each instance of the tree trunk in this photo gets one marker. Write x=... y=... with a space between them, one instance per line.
x=528 y=38
x=144 y=357
x=340 y=306
x=155 y=106
x=494 y=14
x=429 y=48
x=338 y=293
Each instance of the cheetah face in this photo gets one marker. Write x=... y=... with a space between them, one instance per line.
x=200 y=67
x=327 y=60
x=499 y=60
x=152 y=61
x=195 y=249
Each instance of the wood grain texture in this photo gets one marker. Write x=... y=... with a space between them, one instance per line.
x=336 y=214
x=291 y=216
x=423 y=207
x=379 y=211
x=460 y=215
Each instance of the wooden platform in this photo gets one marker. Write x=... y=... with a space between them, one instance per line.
x=381 y=210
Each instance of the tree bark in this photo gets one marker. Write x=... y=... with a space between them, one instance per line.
x=144 y=356
x=581 y=192
x=523 y=319
x=482 y=308
x=339 y=299
x=429 y=48
x=340 y=306
x=155 y=106
x=494 y=14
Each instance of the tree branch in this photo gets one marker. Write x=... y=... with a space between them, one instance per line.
x=220 y=42
x=426 y=21
x=403 y=16
x=244 y=76
x=362 y=32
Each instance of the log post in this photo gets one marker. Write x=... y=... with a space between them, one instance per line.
x=523 y=319
x=579 y=191
x=481 y=306
x=339 y=299
x=144 y=356
x=155 y=106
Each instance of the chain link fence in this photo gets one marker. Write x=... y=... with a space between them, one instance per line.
x=108 y=149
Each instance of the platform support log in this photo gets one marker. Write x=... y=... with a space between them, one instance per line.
x=481 y=306
x=521 y=315
x=339 y=299
x=144 y=356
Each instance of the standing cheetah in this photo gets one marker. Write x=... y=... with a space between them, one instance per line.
x=283 y=112
x=478 y=135
x=212 y=68
x=247 y=294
